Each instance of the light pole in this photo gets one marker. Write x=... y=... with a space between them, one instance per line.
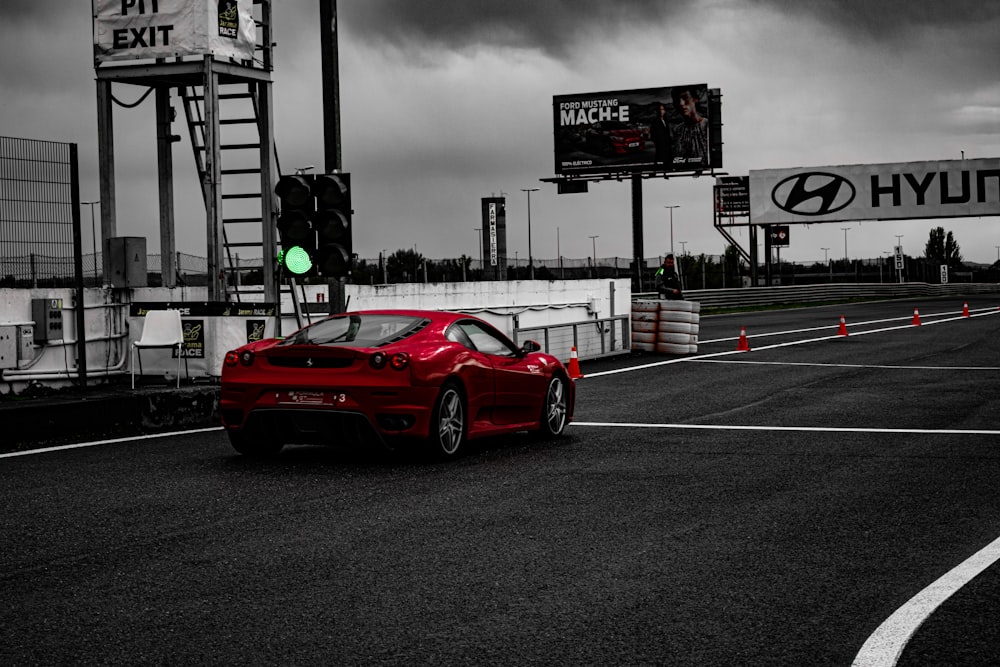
x=93 y=234
x=531 y=264
x=845 y=243
x=672 y=225
x=826 y=256
x=899 y=251
x=593 y=242
x=479 y=237
x=562 y=271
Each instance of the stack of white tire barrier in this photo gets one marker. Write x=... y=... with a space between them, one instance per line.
x=667 y=327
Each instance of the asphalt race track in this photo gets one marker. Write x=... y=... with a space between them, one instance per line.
x=819 y=500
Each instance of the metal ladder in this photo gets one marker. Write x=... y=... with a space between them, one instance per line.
x=242 y=215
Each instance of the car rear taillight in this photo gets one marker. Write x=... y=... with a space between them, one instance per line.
x=246 y=358
x=400 y=361
x=232 y=358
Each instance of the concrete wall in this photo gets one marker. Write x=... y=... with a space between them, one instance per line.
x=110 y=329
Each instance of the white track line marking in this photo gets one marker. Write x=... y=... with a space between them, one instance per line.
x=949 y=317
x=801 y=429
x=882 y=366
x=885 y=646
x=96 y=443
x=700 y=357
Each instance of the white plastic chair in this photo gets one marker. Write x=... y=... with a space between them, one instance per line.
x=161 y=328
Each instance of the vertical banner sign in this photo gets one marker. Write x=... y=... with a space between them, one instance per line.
x=493 y=235
x=146 y=29
x=493 y=242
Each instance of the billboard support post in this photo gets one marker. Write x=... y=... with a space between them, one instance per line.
x=637 y=249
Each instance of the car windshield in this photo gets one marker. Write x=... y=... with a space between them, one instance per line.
x=358 y=330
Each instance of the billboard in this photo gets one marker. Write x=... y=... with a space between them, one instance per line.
x=669 y=129
x=142 y=29
x=892 y=191
x=732 y=196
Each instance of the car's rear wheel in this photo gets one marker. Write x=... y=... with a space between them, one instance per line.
x=253 y=445
x=555 y=408
x=448 y=423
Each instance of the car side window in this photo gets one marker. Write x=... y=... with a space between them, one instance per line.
x=456 y=335
x=486 y=340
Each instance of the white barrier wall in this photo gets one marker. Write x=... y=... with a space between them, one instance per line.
x=110 y=328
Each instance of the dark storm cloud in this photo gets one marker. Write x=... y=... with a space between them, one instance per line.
x=891 y=18
x=552 y=26
x=558 y=26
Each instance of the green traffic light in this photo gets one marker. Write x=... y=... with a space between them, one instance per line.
x=296 y=260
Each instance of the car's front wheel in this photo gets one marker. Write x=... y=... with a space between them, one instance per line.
x=448 y=424
x=555 y=408
x=253 y=446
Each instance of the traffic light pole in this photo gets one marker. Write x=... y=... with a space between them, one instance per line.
x=329 y=50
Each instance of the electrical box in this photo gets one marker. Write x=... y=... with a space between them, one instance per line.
x=17 y=345
x=48 y=317
x=8 y=346
x=127 y=256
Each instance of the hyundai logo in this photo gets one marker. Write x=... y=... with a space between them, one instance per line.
x=813 y=193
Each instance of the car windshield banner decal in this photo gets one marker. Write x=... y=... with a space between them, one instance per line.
x=893 y=191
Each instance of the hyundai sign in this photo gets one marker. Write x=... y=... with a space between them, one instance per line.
x=902 y=190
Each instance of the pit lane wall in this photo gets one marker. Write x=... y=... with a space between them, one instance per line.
x=32 y=352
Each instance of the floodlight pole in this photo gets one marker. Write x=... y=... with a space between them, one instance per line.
x=531 y=265
x=672 y=207
x=593 y=241
x=93 y=236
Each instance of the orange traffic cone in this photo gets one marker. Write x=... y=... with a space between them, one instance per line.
x=965 y=309
x=744 y=344
x=574 y=365
x=842 y=331
x=916 y=318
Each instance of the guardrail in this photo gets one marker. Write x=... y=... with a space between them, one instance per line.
x=788 y=294
x=602 y=337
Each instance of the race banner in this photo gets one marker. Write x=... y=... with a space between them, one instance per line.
x=649 y=129
x=892 y=191
x=146 y=29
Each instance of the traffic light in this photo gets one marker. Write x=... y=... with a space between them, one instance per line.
x=332 y=222
x=295 y=224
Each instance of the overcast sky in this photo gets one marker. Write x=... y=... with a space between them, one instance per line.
x=449 y=101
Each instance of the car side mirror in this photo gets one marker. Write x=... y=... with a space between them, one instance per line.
x=530 y=346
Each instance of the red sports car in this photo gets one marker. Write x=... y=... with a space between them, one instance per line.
x=394 y=377
x=613 y=137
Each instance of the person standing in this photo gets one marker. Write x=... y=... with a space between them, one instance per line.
x=659 y=134
x=668 y=283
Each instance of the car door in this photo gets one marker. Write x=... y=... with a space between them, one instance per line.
x=518 y=382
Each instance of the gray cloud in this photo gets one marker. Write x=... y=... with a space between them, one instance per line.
x=554 y=26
